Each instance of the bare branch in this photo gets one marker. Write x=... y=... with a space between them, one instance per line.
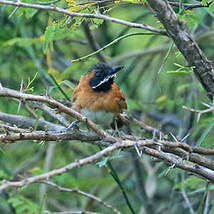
x=26 y=122
x=50 y=112
x=49 y=136
x=80 y=192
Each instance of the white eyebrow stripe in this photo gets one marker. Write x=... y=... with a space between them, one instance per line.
x=105 y=80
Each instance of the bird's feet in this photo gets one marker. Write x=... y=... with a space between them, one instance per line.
x=116 y=133
x=73 y=126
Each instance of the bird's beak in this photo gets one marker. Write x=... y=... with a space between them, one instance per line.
x=115 y=69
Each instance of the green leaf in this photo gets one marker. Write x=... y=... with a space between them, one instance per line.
x=106 y=159
x=56 y=31
x=211 y=7
x=103 y=162
x=204 y=2
x=191 y=183
x=4 y=175
x=23 y=205
x=179 y=71
x=205 y=133
x=21 y=42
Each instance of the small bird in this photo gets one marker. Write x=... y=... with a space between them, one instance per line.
x=97 y=97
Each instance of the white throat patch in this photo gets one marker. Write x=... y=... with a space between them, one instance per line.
x=105 y=80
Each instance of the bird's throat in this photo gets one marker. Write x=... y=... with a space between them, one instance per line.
x=104 y=87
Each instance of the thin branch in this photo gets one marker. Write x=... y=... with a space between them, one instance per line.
x=86 y=15
x=80 y=192
x=6 y=128
x=199 y=111
x=52 y=113
x=109 y=44
x=189 y=6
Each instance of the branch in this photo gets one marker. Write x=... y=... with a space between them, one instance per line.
x=177 y=30
x=86 y=15
x=109 y=44
x=175 y=160
x=5 y=92
x=50 y=136
x=26 y=122
x=52 y=113
x=188 y=6
x=80 y=192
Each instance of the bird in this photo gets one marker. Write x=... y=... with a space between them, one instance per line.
x=98 y=98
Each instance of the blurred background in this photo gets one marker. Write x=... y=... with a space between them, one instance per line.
x=37 y=48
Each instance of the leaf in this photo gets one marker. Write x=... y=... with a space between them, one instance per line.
x=191 y=18
x=161 y=99
x=21 y=42
x=4 y=175
x=191 y=183
x=204 y=2
x=56 y=31
x=205 y=133
x=23 y=205
x=103 y=162
x=179 y=71
x=211 y=7
x=106 y=159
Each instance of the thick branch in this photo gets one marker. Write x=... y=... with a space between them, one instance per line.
x=177 y=30
x=27 y=122
x=49 y=136
x=86 y=15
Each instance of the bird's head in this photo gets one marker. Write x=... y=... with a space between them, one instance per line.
x=103 y=77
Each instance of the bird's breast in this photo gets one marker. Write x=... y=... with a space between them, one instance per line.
x=102 y=118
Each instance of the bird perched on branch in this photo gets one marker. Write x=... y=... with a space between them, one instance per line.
x=97 y=96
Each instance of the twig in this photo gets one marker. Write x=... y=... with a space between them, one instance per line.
x=109 y=44
x=189 y=6
x=183 y=192
x=6 y=128
x=80 y=192
x=46 y=168
x=199 y=112
x=52 y=113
